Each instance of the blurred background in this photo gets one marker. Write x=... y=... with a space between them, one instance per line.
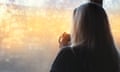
x=29 y=31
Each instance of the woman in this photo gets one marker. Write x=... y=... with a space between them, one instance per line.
x=92 y=48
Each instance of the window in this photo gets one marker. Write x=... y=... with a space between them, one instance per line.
x=30 y=30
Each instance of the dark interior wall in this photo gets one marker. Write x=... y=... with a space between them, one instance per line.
x=97 y=1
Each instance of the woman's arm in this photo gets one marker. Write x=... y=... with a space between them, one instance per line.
x=63 y=61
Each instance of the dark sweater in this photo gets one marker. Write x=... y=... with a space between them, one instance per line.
x=80 y=59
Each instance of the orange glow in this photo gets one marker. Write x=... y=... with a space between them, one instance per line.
x=38 y=28
x=115 y=27
x=22 y=28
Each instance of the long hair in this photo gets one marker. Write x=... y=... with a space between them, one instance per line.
x=91 y=29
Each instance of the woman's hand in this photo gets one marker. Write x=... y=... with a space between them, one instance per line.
x=64 y=40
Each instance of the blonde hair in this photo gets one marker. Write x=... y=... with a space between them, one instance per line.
x=76 y=26
x=91 y=30
x=90 y=23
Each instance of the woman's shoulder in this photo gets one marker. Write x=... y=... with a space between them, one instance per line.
x=72 y=51
x=65 y=55
x=66 y=50
x=64 y=61
x=79 y=47
x=80 y=50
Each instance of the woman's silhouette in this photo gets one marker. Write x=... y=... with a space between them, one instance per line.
x=92 y=48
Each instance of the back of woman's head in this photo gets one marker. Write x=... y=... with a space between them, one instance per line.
x=91 y=25
x=91 y=29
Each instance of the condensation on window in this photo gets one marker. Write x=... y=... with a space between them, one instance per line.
x=29 y=31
